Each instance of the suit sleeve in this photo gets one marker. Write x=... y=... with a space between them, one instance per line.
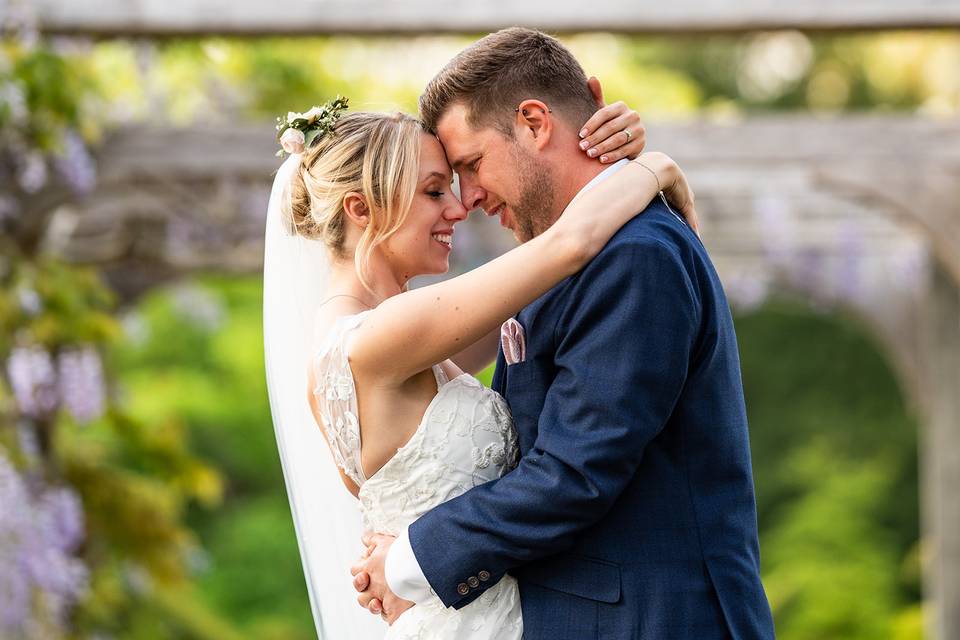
x=623 y=345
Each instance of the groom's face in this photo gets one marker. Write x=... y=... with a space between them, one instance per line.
x=497 y=174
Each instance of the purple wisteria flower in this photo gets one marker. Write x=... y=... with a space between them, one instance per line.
x=808 y=275
x=910 y=268
x=40 y=577
x=14 y=102
x=849 y=283
x=747 y=291
x=76 y=165
x=30 y=301
x=28 y=441
x=82 y=388
x=33 y=380
x=33 y=172
x=775 y=219
x=19 y=19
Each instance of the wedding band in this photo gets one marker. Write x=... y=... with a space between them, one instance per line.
x=629 y=135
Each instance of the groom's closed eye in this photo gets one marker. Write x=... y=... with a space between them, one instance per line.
x=466 y=164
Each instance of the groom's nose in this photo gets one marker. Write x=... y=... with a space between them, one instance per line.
x=471 y=194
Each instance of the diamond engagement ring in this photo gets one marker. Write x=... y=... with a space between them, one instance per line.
x=629 y=135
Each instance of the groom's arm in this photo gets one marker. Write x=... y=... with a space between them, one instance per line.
x=623 y=348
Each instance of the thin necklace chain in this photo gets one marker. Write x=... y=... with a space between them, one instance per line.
x=344 y=295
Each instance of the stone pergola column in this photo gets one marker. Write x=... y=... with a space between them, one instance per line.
x=940 y=455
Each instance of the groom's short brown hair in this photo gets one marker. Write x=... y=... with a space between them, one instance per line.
x=493 y=75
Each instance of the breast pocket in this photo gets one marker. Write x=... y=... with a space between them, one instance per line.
x=525 y=393
x=519 y=375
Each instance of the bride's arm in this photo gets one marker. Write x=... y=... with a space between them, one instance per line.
x=410 y=332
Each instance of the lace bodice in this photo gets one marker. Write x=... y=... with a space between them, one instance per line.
x=464 y=439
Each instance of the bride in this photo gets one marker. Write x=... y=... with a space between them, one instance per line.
x=355 y=356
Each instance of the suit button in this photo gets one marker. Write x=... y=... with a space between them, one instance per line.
x=473 y=582
x=463 y=589
x=484 y=576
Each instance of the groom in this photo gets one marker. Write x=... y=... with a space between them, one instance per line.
x=631 y=513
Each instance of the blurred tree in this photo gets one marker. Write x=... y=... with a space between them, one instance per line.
x=93 y=501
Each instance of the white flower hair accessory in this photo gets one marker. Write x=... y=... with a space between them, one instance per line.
x=297 y=131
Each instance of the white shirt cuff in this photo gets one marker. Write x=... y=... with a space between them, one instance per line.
x=403 y=573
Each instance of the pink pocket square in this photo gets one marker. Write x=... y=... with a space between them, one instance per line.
x=513 y=341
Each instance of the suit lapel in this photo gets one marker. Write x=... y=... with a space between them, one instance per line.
x=499 y=381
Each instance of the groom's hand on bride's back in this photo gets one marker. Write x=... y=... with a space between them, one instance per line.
x=369 y=579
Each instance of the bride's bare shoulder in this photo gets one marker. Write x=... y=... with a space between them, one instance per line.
x=330 y=313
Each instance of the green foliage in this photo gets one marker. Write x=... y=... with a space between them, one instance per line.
x=787 y=70
x=663 y=77
x=74 y=305
x=257 y=575
x=212 y=379
x=46 y=95
x=283 y=80
x=834 y=455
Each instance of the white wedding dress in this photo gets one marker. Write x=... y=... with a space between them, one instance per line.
x=465 y=438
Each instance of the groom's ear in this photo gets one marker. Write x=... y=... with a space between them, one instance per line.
x=596 y=91
x=355 y=206
x=535 y=121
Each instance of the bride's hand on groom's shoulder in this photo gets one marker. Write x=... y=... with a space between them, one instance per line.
x=369 y=579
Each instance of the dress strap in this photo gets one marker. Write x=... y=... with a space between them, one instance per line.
x=440 y=375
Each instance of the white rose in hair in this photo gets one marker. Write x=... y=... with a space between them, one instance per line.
x=292 y=140
x=293 y=115
x=313 y=114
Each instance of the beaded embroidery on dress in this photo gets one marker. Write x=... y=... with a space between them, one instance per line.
x=464 y=439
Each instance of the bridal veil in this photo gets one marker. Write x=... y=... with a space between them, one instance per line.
x=326 y=517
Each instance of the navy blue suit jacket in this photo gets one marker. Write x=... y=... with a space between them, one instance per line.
x=631 y=513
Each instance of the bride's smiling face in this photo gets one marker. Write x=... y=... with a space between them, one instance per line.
x=423 y=243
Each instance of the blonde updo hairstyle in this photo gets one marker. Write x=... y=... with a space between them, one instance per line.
x=373 y=154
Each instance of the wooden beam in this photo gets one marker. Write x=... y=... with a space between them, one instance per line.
x=315 y=17
x=248 y=148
